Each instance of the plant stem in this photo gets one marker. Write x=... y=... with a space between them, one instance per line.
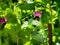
x=17 y=40
x=0 y=37
x=50 y=33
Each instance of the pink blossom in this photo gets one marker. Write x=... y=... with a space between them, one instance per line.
x=37 y=14
x=3 y=20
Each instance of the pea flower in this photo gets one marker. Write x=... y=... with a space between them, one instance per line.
x=3 y=20
x=24 y=25
x=37 y=14
x=35 y=22
x=57 y=43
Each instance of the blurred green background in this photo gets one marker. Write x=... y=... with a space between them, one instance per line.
x=21 y=29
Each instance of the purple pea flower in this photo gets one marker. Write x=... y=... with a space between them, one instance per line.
x=37 y=14
x=3 y=20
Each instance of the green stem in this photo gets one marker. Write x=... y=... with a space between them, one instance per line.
x=0 y=37
x=17 y=40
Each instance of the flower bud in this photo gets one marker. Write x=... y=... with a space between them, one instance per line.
x=3 y=20
x=37 y=14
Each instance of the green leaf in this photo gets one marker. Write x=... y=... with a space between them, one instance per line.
x=45 y=18
x=38 y=37
x=30 y=21
x=27 y=6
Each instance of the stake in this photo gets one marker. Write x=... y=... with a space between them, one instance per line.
x=50 y=33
